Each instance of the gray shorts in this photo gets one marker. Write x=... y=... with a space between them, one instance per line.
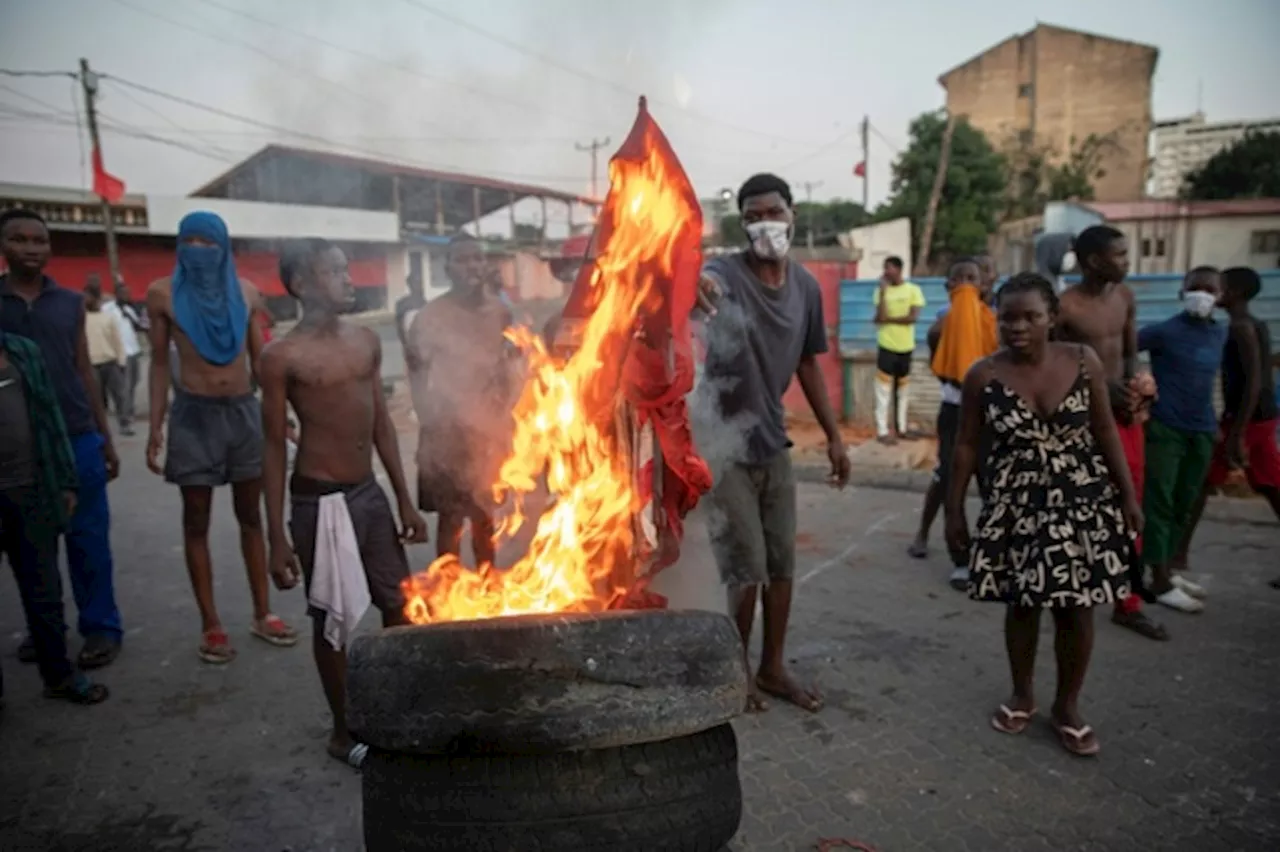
x=382 y=554
x=213 y=440
x=752 y=521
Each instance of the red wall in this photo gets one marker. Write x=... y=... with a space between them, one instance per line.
x=144 y=259
x=829 y=274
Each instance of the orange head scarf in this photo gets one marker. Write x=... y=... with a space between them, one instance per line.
x=968 y=334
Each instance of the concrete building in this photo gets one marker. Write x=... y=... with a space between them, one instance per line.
x=1055 y=87
x=1179 y=146
x=1168 y=236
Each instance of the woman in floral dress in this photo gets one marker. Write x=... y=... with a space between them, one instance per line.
x=1057 y=527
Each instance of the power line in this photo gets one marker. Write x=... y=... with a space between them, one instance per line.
x=146 y=106
x=820 y=150
x=586 y=75
x=10 y=72
x=405 y=69
x=885 y=139
x=311 y=137
x=363 y=98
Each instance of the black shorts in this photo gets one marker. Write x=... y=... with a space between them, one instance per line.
x=382 y=554
x=896 y=365
x=948 y=429
x=213 y=440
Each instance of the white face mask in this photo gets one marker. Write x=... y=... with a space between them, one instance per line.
x=1199 y=304
x=769 y=239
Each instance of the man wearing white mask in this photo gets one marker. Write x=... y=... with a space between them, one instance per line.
x=764 y=325
x=1186 y=352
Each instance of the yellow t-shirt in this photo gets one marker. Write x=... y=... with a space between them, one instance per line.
x=898 y=302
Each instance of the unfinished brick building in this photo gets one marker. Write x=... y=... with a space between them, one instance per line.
x=1050 y=86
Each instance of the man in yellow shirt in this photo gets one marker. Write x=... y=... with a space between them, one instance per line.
x=898 y=305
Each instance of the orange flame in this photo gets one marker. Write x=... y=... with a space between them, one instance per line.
x=581 y=555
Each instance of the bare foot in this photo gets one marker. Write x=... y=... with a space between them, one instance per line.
x=780 y=685
x=755 y=702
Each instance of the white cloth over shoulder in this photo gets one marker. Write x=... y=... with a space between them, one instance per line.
x=338 y=584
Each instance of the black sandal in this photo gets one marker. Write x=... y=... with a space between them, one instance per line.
x=1140 y=624
x=98 y=651
x=78 y=689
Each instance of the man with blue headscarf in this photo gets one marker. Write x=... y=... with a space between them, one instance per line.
x=215 y=424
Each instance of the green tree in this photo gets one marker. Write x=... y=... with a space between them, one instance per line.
x=1248 y=169
x=973 y=194
x=1037 y=176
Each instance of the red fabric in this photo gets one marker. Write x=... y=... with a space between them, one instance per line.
x=109 y=187
x=658 y=371
x=1133 y=438
x=860 y=170
x=1262 y=457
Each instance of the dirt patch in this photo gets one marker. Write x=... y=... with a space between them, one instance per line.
x=809 y=438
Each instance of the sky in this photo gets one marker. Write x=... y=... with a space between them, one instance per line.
x=509 y=88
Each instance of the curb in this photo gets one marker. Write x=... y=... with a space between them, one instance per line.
x=1223 y=510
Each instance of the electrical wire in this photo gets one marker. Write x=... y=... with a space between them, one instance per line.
x=11 y=72
x=223 y=38
x=311 y=137
x=404 y=69
x=146 y=106
x=588 y=76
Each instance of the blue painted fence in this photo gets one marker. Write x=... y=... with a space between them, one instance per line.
x=1157 y=297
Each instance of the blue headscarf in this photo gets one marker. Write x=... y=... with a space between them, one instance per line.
x=208 y=304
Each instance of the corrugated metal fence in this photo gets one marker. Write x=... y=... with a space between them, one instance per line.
x=1157 y=297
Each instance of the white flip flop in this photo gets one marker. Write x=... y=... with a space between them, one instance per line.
x=1177 y=599
x=1196 y=590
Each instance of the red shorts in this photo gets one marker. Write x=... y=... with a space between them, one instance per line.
x=1260 y=454
x=1133 y=439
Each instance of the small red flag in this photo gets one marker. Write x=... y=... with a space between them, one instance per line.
x=860 y=170
x=107 y=186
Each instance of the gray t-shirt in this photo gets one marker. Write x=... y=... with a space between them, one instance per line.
x=755 y=343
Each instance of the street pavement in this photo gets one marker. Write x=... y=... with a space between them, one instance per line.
x=189 y=757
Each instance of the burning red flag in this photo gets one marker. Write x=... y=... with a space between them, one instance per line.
x=860 y=170
x=106 y=185
x=626 y=338
x=659 y=370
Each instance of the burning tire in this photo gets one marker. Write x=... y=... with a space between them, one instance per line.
x=680 y=794
x=564 y=733
x=545 y=683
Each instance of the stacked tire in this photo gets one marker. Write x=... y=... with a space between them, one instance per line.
x=551 y=733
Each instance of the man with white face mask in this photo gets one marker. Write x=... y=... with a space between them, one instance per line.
x=1186 y=352
x=764 y=325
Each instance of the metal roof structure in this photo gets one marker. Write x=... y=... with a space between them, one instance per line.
x=428 y=199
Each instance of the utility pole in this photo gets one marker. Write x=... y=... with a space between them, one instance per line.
x=594 y=148
x=809 y=187
x=939 y=180
x=89 y=83
x=866 y=165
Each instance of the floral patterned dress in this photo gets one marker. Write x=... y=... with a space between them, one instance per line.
x=1051 y=532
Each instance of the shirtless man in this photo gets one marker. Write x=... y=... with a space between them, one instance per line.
x=1100 y=311
x=329 y=371
x=460 y=378
x=215 y=426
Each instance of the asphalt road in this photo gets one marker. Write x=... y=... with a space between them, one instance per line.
x=189 y=757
